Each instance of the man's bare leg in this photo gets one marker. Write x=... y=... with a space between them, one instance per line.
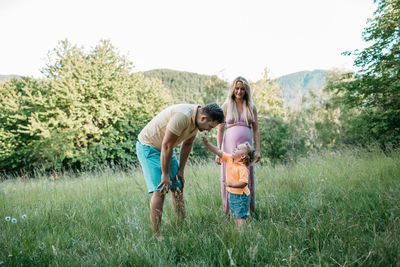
x=156 y=208
x=178 y=203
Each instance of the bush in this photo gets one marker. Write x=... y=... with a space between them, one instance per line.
x=280 y=140
x=87 y=111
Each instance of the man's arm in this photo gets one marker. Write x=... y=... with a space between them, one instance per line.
x=213 y=148
x=186 y=147
x=220 y=135
x=167 y=147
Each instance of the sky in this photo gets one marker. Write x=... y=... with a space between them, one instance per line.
x=227 y=38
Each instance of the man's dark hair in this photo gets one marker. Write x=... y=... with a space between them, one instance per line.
x=214 y=112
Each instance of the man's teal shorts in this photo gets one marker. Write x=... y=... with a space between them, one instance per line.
x=149 y=158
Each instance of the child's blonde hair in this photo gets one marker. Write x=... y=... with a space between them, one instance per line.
x=250 y=155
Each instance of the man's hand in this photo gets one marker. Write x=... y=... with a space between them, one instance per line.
x=165 y=183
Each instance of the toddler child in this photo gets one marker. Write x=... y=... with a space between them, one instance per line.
x=237 y=178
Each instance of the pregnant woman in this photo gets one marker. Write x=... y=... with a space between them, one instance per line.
x=240 y=126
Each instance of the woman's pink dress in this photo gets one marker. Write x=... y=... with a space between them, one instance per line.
x=236 y=134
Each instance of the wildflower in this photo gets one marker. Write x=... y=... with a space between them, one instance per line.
x=13 y=220
x=7 y=218
x=24 y=216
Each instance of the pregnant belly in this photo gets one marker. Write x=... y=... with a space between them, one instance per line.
x=235 y=136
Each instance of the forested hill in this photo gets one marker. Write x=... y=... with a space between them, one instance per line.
x=188 y=87
x=184 y=85
x=8 y=77
x=296 y=86
x=179 y=79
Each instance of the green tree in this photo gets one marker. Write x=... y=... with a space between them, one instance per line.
x=20 y=101
x=321 y=119
x=87 y=111
x=184 y=87
x=215 y=90
x=280 y=141
x=268 y=96
x=375 y=90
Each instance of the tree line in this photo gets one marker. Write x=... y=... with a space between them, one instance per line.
x=89 y=107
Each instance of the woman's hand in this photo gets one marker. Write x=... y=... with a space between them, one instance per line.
x=258 y=157
x=218 y=160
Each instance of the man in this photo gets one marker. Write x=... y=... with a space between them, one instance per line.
x=172 y=126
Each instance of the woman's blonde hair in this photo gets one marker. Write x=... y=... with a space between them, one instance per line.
x=248 y=102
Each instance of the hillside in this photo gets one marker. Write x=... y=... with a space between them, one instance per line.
x=296 y=86
x=187 y=86
x=179 y=79
x=8 y=77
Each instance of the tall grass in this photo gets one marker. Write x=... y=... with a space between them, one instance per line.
x=333 y=208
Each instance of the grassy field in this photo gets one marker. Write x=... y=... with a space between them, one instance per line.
x=331 y=209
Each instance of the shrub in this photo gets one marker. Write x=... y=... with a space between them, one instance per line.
x=88 y=110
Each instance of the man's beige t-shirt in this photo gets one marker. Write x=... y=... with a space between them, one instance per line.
x=179 y=119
